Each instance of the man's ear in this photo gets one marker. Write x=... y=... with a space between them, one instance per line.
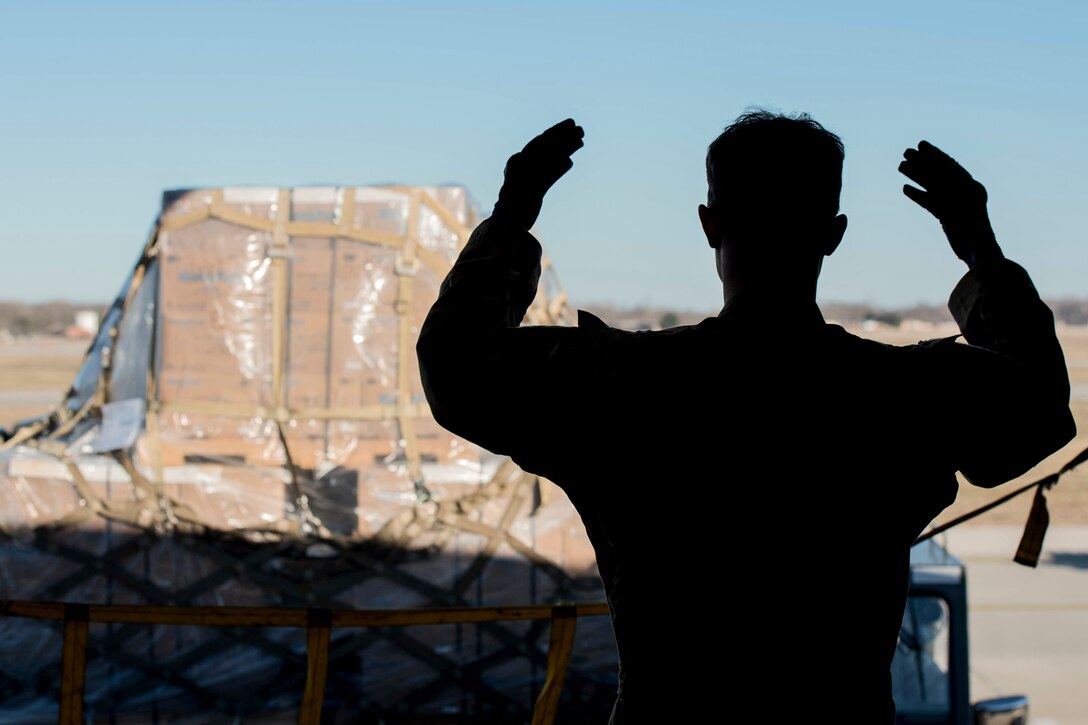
x=710 y=226
x=834 y=235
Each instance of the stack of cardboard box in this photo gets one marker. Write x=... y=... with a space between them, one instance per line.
x=342 y=336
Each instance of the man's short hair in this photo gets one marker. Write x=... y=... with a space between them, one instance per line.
x=767 y=166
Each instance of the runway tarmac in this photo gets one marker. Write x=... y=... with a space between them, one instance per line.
x=1028 y=627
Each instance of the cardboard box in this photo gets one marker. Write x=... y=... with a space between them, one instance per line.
x=312 y=269
x=381 y=210
x=231 y=496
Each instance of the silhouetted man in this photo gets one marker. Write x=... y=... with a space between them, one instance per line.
x=751 y=484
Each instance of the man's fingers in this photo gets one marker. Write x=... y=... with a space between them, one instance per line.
x=566 y=123
x=918 y=196
x=564 y=137
x=925 y=148
x=567 y=127
x=570 y=144
x=930 y=167
x=927 y=165
x=571 y=129
x=563 y=130
x=918 y=172
x=941 y=162
x=569 y=139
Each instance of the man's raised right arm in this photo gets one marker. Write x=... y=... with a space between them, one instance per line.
x=487 y=378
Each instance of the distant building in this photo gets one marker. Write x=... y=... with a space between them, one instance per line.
x=87 y=320
x=85 y=327
x=77 y=332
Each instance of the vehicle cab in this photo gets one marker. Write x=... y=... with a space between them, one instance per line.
x=930 y=671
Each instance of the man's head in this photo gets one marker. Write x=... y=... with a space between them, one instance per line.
x=773 y=198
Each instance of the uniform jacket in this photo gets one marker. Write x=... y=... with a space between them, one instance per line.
x=751 y=484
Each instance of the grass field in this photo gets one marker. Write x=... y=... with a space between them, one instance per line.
x=35 y=374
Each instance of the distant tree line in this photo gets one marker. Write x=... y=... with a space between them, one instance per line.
x=20 y=318
x=1071 y=312
x=856 y=313
x=1068 y=311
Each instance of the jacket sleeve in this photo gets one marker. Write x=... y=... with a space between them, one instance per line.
x=1009 y=384
x=507 y=388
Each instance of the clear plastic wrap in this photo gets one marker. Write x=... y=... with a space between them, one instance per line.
x=249 y=428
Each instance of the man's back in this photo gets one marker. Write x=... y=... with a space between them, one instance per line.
x=740 y=479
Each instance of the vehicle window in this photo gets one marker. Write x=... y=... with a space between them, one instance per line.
x=920 y=681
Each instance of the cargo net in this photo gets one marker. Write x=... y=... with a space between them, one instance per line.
x=249 y=429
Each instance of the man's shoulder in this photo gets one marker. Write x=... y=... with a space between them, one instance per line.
x=604 y=334
x=846 y=337
x=729 y=333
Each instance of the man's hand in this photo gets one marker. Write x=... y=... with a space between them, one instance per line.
x=533 y=170
x=956 y=199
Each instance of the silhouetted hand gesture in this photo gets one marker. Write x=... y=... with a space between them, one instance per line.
x=532 y=171
x=956 y=199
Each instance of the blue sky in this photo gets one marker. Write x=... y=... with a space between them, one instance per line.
x=103 y=105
